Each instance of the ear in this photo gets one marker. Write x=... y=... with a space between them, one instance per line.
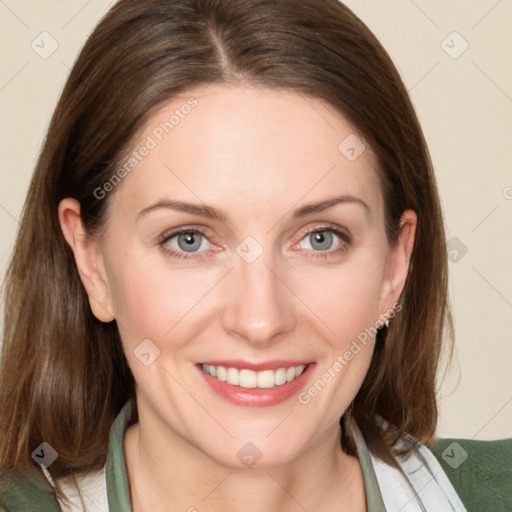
x=88 y=258
x=398 y=261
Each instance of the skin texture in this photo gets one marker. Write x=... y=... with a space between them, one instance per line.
x=258 y=155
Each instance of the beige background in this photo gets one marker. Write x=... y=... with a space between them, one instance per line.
x=464 y=102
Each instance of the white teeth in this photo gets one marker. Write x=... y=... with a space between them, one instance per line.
x=280 y=376
x=221 y=373
x=249 y=379
x=266 y=379
x=233 y=376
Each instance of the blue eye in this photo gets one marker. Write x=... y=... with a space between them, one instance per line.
x=189 y=242
x=324 y=239
x=186 y=240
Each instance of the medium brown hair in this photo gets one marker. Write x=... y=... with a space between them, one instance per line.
x=63 y=373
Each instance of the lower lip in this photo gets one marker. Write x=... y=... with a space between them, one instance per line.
x=257 y=397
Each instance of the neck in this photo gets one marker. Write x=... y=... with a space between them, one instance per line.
x=164 y=468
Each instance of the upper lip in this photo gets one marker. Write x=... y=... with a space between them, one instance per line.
x=258 y=367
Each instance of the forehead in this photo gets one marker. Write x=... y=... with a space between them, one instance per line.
x=248 y=147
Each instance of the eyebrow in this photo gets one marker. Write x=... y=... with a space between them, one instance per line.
x=210 y=212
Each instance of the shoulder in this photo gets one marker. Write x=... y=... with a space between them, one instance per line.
x=27 y=491
x=480 y=471
x=30 y=491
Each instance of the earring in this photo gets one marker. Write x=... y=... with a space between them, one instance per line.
x=385 y=324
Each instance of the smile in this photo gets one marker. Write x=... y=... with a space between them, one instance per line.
x=246 y=378
x=256 y=384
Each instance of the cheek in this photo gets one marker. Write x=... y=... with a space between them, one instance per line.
x=149 y=299
x=346 y=297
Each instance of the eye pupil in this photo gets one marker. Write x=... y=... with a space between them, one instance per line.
x=324 y=238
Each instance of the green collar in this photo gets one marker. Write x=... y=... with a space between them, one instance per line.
x=115 y=469
x=117 y=481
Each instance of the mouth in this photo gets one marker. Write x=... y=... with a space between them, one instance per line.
x=256 y=385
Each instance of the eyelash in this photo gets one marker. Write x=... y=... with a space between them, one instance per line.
x=345 y=238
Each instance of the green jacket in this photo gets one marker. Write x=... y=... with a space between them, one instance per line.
x=484 y=480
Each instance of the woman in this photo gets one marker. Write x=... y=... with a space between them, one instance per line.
x=229 y=286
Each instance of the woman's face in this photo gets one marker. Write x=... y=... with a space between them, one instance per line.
x=262 y=281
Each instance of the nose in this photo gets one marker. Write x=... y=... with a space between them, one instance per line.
x=260 y=306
